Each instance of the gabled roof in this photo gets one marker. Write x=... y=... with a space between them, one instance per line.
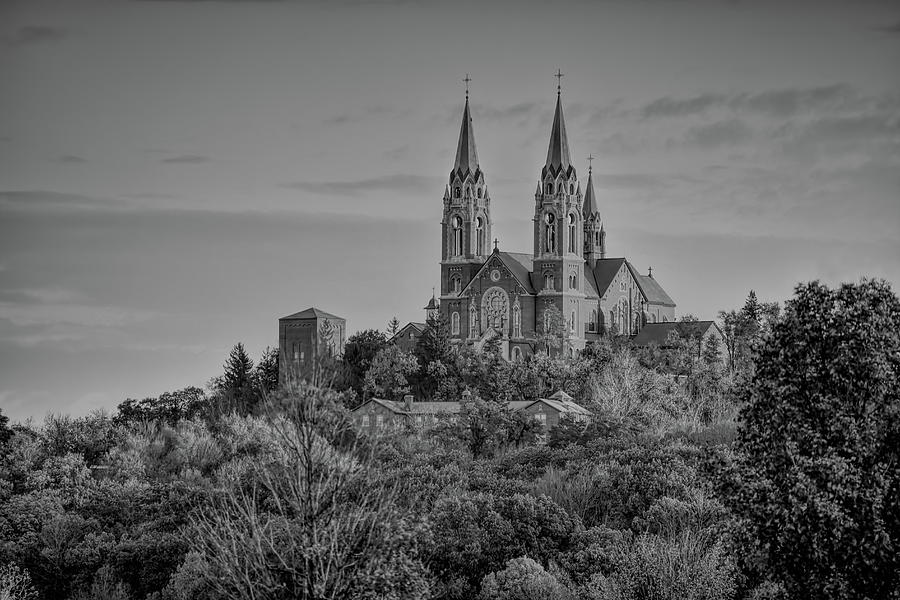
x=466 y=154
x=605 y=271
x=312 y=313
x=658 y=333
x=418 y=327
x=519 y=264
x=590 y=202
x=561 y=402
x=653 y=291
x=558 y=153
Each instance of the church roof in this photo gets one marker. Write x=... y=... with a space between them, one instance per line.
x=590 y=282
x=558 y=152
x=658 y=333
x=520 y=264
x=605 y=271
x=590 y=202
x=651 y=289
x=466 y=154
x=312 y=313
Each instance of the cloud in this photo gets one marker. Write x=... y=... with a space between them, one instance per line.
x=70 y=159
x=720 y=133
x=379 y=110
x=41 y=199
x=782 y=103
x=187 y=159
x=37 y=34
x=391 y=183
x=895 y=28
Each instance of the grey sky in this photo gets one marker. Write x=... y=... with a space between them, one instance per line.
x=176 y=175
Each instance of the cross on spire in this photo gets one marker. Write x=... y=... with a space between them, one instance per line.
x=496 y=244
x=650 y=271
x=590 y=160
x=467 y=80
x=559 y=75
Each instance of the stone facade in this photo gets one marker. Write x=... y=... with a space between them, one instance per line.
x=566 y=289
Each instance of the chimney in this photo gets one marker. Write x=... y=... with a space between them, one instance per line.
x=407 y=402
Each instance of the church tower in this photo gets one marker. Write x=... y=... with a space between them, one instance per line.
x=558 y=236
x=594 y=234
x=466 y=222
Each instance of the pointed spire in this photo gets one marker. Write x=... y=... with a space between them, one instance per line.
x=466 y=155
x=558 y=152
x=590 y=202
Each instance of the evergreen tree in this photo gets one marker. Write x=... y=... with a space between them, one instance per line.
x=267 y=370
x=711 y=353
x=752 y=309
x=360 y=350
x=434 y=343
x=237 y=383
x=393 y=326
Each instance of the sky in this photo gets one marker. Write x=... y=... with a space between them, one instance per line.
x=175 y=175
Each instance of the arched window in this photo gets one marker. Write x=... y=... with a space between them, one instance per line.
x=479 y=192
x=473 y=322
x=550 y=232
x=546 y=321
x=549 y=284
x=571 y=188
x=454 y=323
x=517 y=354
x=456 y=284
x=572 y=238
x=457 y=236
x=572 y=320
x=593 y=324
x=612 y=318
x=457 y=192
x=517 y=322
x=596 y=238
x=479 y=235
x=573 y=281
x=549 y=188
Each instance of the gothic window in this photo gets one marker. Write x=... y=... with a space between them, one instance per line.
x=596 y=238
x=573 y=281
x=457 y=236
x=495 y=309
x=457 y=192
x=549 y=284
x=456 y=284
x=517 y=322
x=571 y=188
x=517 y=354
x=454 y=323
x=473 y=322
x=612 y=318
x=572 y=322
x=549 y=188
x=479 y=236
x=550 y=232
x=479 y=192
x=572 y=238
x=593 y=323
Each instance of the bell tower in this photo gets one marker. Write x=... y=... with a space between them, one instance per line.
x=559 y=233
x=466 y=221
x=594 y=234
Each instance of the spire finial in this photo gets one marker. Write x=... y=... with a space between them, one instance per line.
x=590 y=160
x=467 y=80
x=559 y=75
x=496 y=244
x=650 y=271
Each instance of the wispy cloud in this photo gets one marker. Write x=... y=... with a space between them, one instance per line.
x=40 y=198
x=895 y=28
x=186 y=159
x=36 y=34
x=720 y=133
x=379 y=111
x=393 y=183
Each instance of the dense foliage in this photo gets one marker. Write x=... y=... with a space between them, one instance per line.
x=251 y=489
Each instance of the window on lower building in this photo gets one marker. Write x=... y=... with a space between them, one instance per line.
x=517 y=354
x=364 y=421
x=541 y=418
x=454 y=324
x=379 y=421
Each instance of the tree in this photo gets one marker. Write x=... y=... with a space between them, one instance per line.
x=169 y=407
x=393 y=326
x=237 y=380
x=388 y=377
x=711 y=354
x=815 y=479
x=552 y=332
x=359 y=352
x=5 y=431
x=522 y=579
x=267 y=370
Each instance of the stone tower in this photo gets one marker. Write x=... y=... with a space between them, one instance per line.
x=466 y=222
x=558 y=235
x=594 y=234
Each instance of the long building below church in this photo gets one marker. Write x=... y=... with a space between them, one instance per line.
x=566 y=288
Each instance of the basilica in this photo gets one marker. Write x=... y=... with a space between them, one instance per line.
x=565 y=292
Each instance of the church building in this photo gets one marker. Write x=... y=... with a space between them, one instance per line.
x=565 y=292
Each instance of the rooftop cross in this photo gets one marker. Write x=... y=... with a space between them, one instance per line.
x=559 y=75
x=467 y=80
x=650 y=271
x=590 y=159
x=496 y=244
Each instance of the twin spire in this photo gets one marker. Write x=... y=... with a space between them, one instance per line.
x=466 y=154
x=558 y=160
